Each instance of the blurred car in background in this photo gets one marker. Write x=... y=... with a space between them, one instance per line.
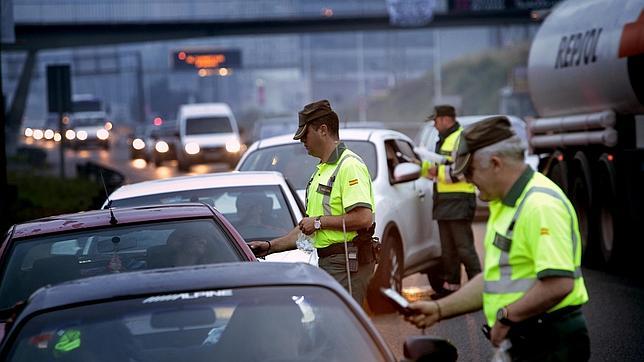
x=226 y=312
x=136 y=142
x=162 y=142
x=67 y=247
x=208 y=132
x=273 y=126
x=403 y=198
x=260 y=205
x=88 y=129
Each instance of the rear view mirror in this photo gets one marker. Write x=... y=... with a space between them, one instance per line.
x=181 y=318
x=429 y=348
x=406 y=171
x=115 y=244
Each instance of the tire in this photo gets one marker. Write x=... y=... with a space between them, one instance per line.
x=582 y=199
x=607 y=206
x=389 y=273
x=558 y=171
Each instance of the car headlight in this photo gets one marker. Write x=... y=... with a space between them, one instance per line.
x=49 y=134
x=102 y=134
x=81 y=135
x=192 y=148
x=38 y=134
x=138 y=144
x=70 y=134
x=29 y=132
x=162 y=147
x=57 y=137
x=233 y=146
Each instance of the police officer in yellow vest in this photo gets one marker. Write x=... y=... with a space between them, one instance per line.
x=339 y=204
x=531 y=289
x=454 y=206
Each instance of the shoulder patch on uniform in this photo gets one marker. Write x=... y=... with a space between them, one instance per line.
x=544 y=231
x=353 y=182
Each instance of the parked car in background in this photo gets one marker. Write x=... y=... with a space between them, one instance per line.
x=67 y=247
x=260 y=205
x=226 y=312
x=403 y=198
x=208 y=132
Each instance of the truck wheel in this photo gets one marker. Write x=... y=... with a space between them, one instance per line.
x=389 y=273
x=607 y=206
x=581 y=198
x=558 y=171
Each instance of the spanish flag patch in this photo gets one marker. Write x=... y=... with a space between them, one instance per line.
x=544 y=231
x=353 y=182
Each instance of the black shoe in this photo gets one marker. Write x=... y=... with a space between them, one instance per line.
x=441 y=294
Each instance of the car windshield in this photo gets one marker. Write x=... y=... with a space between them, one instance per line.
x=257 y=212
x=297 y=166
x=35 y=262
x=88 y=122
x=206 y=125
x=244 y=324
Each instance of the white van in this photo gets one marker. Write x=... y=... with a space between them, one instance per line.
x=208 y=132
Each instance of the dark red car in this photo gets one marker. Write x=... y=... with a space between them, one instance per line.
x=67 y=247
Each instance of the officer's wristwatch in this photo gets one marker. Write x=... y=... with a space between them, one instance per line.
x=502 y=317
x=317 y=223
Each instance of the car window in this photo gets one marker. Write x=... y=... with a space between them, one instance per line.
x=208 y=325
x=398 y=151
x=257 y=212
x=297 y=166
x=206 y=125
x=35 y=262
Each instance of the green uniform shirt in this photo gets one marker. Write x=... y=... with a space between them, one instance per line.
x=351 y=189
x=543 y=242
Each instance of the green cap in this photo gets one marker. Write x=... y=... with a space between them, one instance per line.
x=481 y=134
x=443 y=110
x=312 y=111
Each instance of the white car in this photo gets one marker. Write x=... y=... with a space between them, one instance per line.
x=403 y=199
x=260 y=205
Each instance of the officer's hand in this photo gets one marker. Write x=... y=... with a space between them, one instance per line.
x=428 y=315
x=498 y=333
x=432 y=172
x=306 y=225
x=259 y=247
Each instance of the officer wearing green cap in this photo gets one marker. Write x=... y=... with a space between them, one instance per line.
x=454 y=206
x=339 y=204
x=531 y=289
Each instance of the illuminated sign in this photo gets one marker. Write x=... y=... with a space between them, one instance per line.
x=206 y=59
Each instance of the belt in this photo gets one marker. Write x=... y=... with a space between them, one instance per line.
x=337 y=248
x=551 y=318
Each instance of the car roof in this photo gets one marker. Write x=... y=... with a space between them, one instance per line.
x=176 y=280
x=97 y=218
x=467 y=120
x=197 y=182
x=346 y=134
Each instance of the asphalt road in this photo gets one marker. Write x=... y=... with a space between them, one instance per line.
x=615 y=312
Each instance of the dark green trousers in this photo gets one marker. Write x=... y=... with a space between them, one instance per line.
x=336 y=266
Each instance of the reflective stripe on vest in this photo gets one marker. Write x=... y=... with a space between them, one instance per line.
x=326 y=199
x=446 y=149
x=508 y=285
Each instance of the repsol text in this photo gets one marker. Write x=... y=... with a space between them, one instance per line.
x=578 y=49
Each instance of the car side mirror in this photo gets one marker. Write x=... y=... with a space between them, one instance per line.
x=405 y=172
x=429 y=348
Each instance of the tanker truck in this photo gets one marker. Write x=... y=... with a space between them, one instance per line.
x=586 y=82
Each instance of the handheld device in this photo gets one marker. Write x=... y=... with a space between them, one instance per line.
x=401 y=304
